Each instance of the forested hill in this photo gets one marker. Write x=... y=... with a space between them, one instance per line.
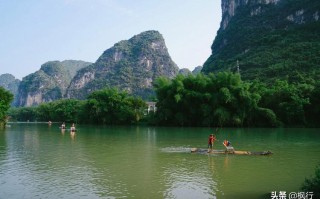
x=271 y=39
x=47 y=84
x=130 y=65
x=9 y=82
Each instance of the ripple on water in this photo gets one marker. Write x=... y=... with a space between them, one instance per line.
x=189 y=179
x=176 y=149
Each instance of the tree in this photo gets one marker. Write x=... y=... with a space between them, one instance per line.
x=313 y=184
x=110 y=106
x=23 y=113
x=64 y=110
x=206 y=100
x=5 y=99
x=312 y=110
x=288 y=101
x=45 y=112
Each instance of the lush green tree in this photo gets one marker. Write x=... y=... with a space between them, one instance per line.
x=312 y=184
x=45 y=112
x=23 y=114
x=208 y=100
x=137 y=108
x=288 y=101
x=110 y=106
x=64 y=110
x=5 y=99
x=312 y=110
x=67 y=110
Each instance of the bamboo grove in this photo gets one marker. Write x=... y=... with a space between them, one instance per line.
x=223 y=99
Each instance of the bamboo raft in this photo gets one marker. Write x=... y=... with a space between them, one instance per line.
x=228 y=151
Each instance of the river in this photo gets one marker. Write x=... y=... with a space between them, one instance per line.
x=40 y=161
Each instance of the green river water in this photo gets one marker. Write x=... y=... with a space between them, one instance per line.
x=38 y=161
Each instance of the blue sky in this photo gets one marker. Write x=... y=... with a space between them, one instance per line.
x=33 y=32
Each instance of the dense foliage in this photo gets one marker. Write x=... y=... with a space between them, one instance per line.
x=221 y=99
x=225 y=100
x=288 y=101
x=108 y=106
x=23 y=114
x=271 y=42
x=277 y=48
x=5 y=99
x=68 y=110
x=313 y=184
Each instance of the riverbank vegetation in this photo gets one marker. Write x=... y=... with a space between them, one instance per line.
x=5 y=99
x=312 y=184
x=215 y=100
x=107 y=106
x=223 y=99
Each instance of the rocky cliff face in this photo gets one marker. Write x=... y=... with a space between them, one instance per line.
x=49 y=83
x=10 y=83
x=269 y=38
x=131 y=65
x=229 y=8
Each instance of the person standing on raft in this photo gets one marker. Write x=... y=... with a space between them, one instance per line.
x=211 y=140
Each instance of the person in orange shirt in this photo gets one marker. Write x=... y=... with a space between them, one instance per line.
x=211 y=140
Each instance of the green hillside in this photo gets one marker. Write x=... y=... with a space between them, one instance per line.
x=130 y=65
x=270 y=41
x=49 y=83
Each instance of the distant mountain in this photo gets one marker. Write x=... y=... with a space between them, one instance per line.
x=10 y=83
x=197 y=70
x=49 y=83
x=270 y=39
x=185 y=71
x=131 y=65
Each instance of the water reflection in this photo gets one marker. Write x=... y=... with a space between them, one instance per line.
x=3 y=147
x=191 y=180
x=39 y=166
x=226 y=162
x=72 y=135
x=138 y=162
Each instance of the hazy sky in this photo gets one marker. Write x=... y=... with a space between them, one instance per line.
x=33 y=32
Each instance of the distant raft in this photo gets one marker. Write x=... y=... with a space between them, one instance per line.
x=206 y=151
